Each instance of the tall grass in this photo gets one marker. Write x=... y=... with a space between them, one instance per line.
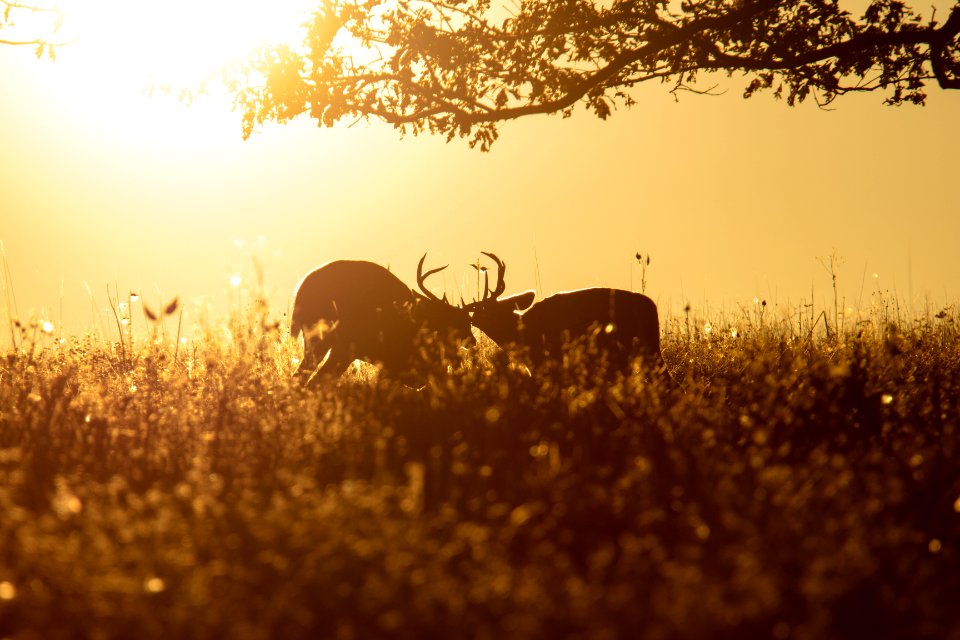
x=795 y=485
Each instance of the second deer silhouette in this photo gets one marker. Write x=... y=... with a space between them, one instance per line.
x=355 y=309
x=622 y=324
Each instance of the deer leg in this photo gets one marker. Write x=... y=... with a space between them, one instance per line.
x=314 y=350
x=336 y=363
x=325 y=370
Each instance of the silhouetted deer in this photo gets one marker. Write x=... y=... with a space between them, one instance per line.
x=622 y=324
x=359 y=310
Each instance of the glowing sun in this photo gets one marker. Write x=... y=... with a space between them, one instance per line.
x=177 y=43
x=115 y=53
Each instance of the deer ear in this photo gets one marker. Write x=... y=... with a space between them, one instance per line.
x=520 y=301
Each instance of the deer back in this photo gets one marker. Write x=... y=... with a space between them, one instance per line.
x=625 y=324
x=360 y=296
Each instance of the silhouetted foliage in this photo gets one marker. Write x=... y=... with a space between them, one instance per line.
x=43 y=19
x=460 y=68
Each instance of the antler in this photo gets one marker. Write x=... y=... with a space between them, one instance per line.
x=421 y=278
x=501 y=270
x=499 y=288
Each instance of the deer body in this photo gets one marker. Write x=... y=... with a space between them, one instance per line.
x=621 y=324
x=359 y=310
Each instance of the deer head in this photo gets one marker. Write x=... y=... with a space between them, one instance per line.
x=437 y=313
x=498 y=318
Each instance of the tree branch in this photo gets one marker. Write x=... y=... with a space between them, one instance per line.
x=938 y=50
x=452 y=69
x=20 y=43
x=624 y=60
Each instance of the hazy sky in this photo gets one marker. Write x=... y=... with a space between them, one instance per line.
x=733 y=199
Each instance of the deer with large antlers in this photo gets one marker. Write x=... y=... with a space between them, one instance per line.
x=359 y=310
x=623 y=325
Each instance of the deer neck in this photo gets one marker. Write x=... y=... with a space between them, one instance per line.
x=503 y=331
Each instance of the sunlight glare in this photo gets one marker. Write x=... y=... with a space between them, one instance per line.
x=180 y=43
x=126 y=65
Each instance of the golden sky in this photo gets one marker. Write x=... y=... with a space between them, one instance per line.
x=733 y=199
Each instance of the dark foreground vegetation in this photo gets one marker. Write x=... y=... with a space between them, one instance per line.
x=795 y=486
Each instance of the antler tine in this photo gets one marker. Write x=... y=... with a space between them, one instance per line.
x=421 y=279
x=501 y=269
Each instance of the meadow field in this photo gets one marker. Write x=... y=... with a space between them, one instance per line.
x=802 y=481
